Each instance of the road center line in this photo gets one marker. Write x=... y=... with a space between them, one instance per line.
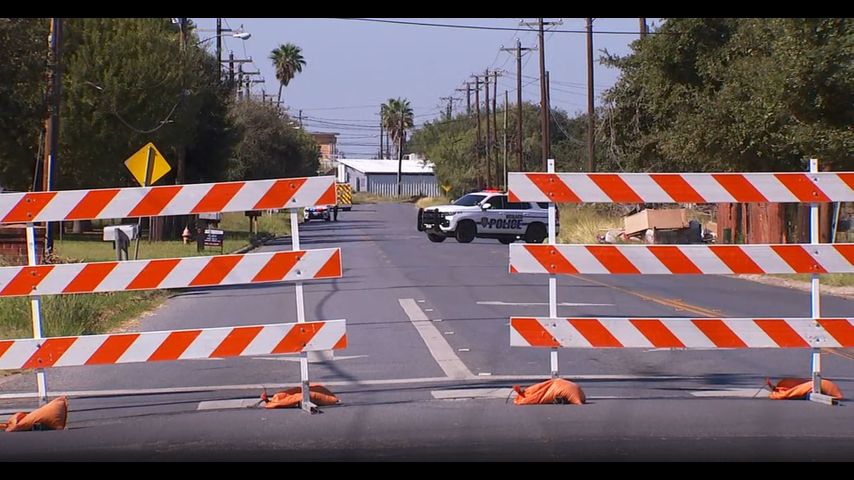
x=439 y=348
x=536 y=304
x=672 y=303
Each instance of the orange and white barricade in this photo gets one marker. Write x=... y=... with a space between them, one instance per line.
x=613 y=332
x=289 y=266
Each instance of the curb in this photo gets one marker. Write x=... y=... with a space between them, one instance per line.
x=844 y=292
x=253 y=245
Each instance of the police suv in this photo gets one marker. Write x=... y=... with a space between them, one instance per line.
x=486 y=214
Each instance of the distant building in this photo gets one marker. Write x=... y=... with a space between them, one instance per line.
x=380 y=177
x=328 y=142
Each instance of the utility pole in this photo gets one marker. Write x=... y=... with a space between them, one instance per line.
x=449 y=109
x=506 y=99
x=544 y=102
x=644 y=30
x=477 y=109
x=468 y=96
x=488 y=134
x=591 y=120
x=548 y=93
x=240 y=82
x=239 y=61
x=300 y=119
x=544 y=106
x=249 y=83
x=183 y=26
x=518 y=51
x=400 y=155
x=219 y=44
x=381 y=156
x=231 y=69
x=495 y=76
x=51 y=137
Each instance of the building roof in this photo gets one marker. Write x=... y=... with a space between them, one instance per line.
x=387 y=166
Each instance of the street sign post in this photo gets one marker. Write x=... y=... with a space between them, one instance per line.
x=147 y=166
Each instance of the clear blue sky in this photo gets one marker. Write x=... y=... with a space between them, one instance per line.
x=354 y=66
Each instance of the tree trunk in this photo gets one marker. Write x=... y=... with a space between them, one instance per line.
x=399 y=164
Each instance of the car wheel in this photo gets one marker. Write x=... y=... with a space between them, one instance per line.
x=436 y=238
x=420 y=226
x=536 y=233
x=507 y=240
x=466 y=231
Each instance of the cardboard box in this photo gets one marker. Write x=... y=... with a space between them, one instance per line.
x=652 y=218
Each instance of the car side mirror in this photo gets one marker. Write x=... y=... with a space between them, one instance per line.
x=485 y=206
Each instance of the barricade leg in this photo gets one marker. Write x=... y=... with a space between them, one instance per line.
x=35 y=306
x=306 y=404
x=815 y=305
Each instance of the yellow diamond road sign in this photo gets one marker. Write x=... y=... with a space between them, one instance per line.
x=138 y=162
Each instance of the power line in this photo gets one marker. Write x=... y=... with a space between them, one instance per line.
x=373 y=105
x=516 y=29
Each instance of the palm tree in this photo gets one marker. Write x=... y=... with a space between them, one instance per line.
x=396 y=117
x=288 y=61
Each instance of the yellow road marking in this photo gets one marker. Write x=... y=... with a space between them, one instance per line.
x=846 y=353
x=678 y=304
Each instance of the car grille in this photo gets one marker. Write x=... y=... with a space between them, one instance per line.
x=431 y=217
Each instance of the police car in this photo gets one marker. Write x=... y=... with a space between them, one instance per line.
x=486 y=214
x=317 y=212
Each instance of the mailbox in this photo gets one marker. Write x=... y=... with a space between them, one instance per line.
x=132 y=231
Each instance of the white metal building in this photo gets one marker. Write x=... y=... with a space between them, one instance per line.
x=380 y=177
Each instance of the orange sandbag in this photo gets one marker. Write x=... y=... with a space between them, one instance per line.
x=49 y=417
x=318 y=394
x=795 y=388
x=556 y=390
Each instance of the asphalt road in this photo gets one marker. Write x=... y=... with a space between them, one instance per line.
x=438 y=389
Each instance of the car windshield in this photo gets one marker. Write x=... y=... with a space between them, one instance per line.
x=469 y=200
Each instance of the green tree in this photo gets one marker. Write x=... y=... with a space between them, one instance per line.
x=734 y=94
x=396 y=117
x=215 y=134
x=127 y=82
x=450 y=145
x=23 y=83
x=269 y=146
x=288 y=61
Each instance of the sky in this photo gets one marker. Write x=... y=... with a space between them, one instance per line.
x=354 y=66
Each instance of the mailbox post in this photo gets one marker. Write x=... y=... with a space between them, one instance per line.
x=121 y=235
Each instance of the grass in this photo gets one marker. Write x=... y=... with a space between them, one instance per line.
x=86 y=314
x=90 y=248
x=581 y=223
x=832 y=279
x=360 y=198
x=425 y=202
x=236 y=223
x=68 y=315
